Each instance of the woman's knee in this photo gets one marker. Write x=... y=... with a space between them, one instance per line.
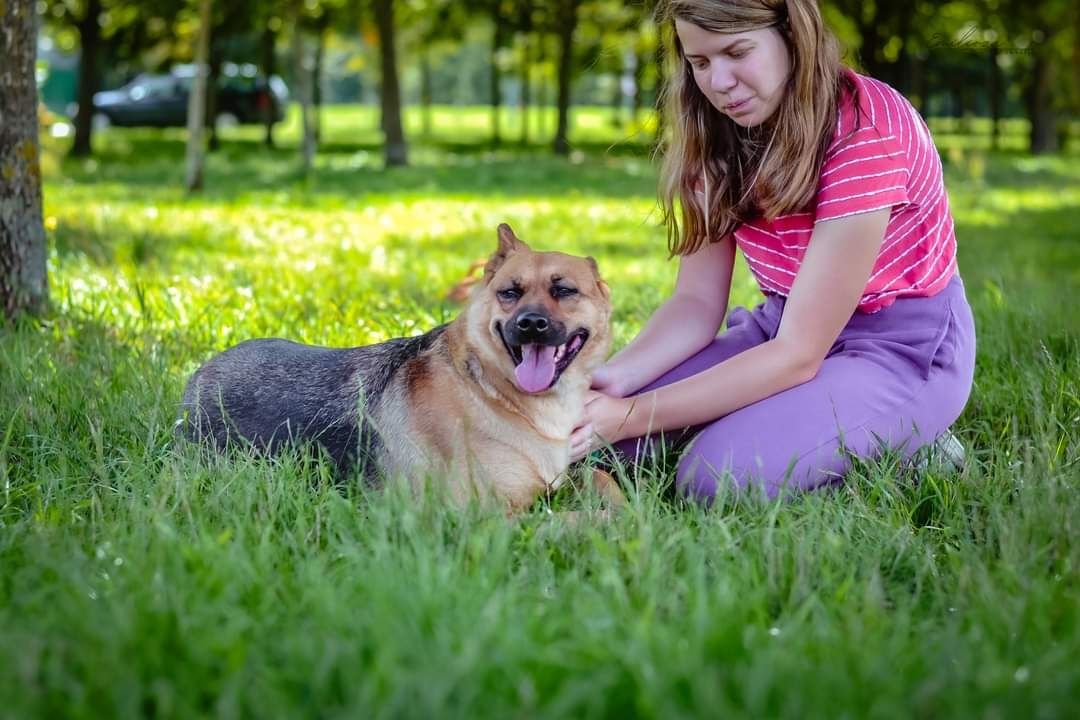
x=698 y=480
x=707 y=469
x=704 y=472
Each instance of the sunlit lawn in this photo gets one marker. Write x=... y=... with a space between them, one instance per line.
x=137 y=579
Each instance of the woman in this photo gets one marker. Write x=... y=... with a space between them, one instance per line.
x=829 y=184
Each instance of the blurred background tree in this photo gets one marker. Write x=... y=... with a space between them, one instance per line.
x=963 y=59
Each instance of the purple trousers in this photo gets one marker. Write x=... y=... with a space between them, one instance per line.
x=897 y=378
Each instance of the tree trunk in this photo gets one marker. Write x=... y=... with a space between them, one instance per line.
x=567 y=22
x=903 y=71
x=425 y=90
x=1044 y=138
x=395 y=151
x=89 y=48
x=212 y=82
x=269 y=67
x=302 y=81
x=994 y=91
x=1076 y=61
x=542 y=100
x=956 y=100
x=317 y=73
x=1067 y=140
x=196 y=150
x=871 y=41
x=918 y=84
x=497 y=41
x=23 y=279
x=526 y=91
x=617 y=102
x=660 y=89
x=922 y=85
x=639 y=72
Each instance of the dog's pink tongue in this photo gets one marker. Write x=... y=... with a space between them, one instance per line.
x=537 y=368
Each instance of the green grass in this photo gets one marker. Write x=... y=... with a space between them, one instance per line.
x=139 y=580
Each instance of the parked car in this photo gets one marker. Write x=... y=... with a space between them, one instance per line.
x=155 y=100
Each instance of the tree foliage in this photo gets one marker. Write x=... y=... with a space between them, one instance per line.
x=959 y=57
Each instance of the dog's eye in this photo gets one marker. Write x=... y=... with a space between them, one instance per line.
x=510 y=294
x=561 y=291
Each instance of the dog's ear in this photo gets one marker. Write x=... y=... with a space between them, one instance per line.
x=604 y=289
x=508 y=245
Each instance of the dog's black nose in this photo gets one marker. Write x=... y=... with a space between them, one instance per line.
x=532 y=323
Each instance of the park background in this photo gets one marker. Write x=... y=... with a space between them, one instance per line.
x=137 y=579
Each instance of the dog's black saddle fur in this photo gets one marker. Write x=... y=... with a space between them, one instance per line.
x=274 y=392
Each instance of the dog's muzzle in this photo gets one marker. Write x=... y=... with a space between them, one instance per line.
x=540 y=348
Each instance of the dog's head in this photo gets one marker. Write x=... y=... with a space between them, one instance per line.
x=545 y=314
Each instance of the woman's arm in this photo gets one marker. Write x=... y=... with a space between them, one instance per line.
x=824 y=296
x=686 y=323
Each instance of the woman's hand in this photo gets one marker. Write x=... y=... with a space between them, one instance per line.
x=583 y=440
x=604 y=421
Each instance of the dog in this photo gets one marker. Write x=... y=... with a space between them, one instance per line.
x=484 y=404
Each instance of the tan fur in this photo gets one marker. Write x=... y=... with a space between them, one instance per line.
x=456 y=414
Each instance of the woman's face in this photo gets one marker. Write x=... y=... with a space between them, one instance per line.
x=744 y=75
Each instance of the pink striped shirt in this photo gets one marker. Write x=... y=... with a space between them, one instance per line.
x=888 y=162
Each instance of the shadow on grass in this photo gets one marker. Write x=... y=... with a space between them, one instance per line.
x=1009 y=168
x=592 y=148
x=154 y=160
x=1032 y=255
x=125 y=242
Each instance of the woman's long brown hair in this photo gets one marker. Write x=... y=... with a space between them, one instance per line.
x=717 y=174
